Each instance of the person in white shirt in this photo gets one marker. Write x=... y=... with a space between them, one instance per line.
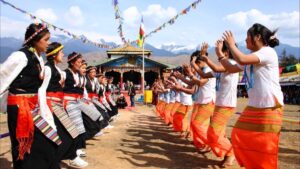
x=161 y=104
x=255 y=136
x=226 y=98
x=186 y=89
x=22 y=75
x=174 y=100
x=204 y=105
x=51 y=103
x=168 y=106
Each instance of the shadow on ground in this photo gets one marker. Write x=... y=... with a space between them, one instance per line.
x=151 y=143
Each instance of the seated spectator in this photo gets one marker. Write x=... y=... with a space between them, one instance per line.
x=121 y=102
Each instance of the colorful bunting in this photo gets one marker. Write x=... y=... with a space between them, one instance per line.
x=49 y=25
x=172 y=20
x=120 y=19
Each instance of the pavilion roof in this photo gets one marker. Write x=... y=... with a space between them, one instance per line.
x=127 y=49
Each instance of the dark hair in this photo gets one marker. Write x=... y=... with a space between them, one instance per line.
x=31 y=29
x=74 y=57
x=225 y=48
x=179 y=69
x=52 y=46
x=90 y=68
x=268 y=37
x=83 y=62
x=197 y=54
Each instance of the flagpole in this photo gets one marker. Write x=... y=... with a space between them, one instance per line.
x=143 y=87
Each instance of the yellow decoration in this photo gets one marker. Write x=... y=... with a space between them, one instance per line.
x=55 y=50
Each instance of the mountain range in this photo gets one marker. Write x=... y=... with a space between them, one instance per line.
x=10 y=44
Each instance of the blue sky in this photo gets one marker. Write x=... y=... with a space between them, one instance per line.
x=95 y=19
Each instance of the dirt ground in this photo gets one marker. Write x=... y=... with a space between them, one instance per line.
x=141 y=140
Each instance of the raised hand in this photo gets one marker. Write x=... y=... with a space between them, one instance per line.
x=204 y=48
x=194 y=58
x=228 y=38
x=187 y=69
x=177 y=74
x=219 y=45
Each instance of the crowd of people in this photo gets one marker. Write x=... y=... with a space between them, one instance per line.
x=291 y=94
x=209 y=91
x=52 y=113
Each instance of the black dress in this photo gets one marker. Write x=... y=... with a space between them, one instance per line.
x=42 y=152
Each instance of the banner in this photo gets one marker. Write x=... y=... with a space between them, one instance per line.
x=120 y=19
x=171 y=21
x=49 y=25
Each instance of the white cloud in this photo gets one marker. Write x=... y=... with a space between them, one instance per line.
x=131 y=16
x=156 y=12
x=12 y=28
x=154 y=15
x=288 y=23
x=46 y=14
x=74 y=16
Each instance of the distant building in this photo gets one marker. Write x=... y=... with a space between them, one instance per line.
x=125 y=64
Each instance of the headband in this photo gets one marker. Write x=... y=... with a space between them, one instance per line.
x=90 y=68
x=35 y=33
x=73 y=57
x=55 y=50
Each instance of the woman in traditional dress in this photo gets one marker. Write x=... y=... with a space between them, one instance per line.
x=91 y=88
x=91 y=116
x=180 y=118
x=255 y=136
x=34 y=139
x=51 y=97
x=226 y=98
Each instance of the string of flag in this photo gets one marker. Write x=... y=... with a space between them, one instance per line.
x=49 y=25
x=171 y=21
x=120 y=19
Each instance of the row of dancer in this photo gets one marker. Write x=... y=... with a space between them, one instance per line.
x=210 y=91
x=52 y=113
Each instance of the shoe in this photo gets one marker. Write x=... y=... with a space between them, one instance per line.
x=80 y=153
x=100 y=133
x=78 y=163
x=109 y=127
x=113 y=118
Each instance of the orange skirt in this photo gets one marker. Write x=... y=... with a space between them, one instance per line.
x=179 y=116
x=168 y=109
x=216 y=136
x=173 y=110
x=200 y=122
x=255 y=137
x=159 y=108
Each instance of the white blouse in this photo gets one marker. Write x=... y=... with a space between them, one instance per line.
x=42 y=93
x=226 y=95
x=11 y=68
x=207 y=92
x=265 y=88
x=185 y=99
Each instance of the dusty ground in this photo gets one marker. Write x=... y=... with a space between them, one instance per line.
x=141 y=140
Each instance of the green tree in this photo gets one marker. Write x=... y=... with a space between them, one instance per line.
x=287 y=60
